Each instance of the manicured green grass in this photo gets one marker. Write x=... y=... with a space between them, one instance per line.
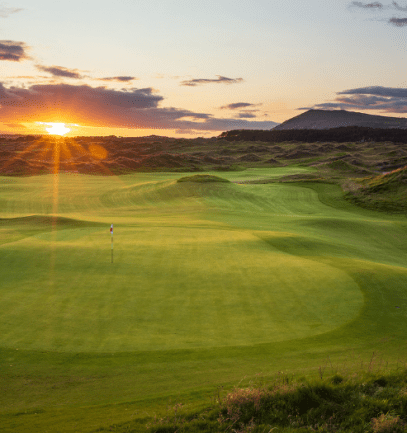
x=198 y=178
x=211 y=282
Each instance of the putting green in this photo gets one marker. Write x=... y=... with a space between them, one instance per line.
x=169 y=288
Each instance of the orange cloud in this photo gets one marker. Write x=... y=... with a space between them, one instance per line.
x=102 y=107
x=122 y=79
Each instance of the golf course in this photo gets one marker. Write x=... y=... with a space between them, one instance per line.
x=214 y=279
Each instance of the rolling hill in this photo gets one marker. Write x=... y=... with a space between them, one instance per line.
x=326 y=119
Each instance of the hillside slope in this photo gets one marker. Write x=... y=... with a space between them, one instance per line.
x=386 y=192
x=325 y=119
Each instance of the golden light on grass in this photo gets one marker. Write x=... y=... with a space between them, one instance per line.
x=57 y=129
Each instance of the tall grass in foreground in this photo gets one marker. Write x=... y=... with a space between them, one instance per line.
x=368 y=400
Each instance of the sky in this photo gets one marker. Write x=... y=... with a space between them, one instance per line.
x=186 y=68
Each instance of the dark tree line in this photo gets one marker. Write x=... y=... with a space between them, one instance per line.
x=340 y=135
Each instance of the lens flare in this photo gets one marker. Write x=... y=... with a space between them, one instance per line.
x=57 y=129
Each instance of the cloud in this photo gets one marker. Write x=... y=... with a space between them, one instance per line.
x=120 y=79
x=377 y=90
x=98 y=106
x=238 y=105
x=375 y=5
x=384 y=99
x=246 y=115
x=220 y=79
x=13 y=51
x=15 y=125
x=24 y=77
x=362 y=100
x=60 y=71
x=398 y=22
x=72 y=96
x=398 y=7
x=5 y=12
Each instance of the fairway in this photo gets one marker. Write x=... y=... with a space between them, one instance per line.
x=201 y=271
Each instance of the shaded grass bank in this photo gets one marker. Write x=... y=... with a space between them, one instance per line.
x=369 y=400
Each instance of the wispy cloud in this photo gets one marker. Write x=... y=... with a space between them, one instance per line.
x=238 y=105
x=395 y=21
x=377 y=90
x=15 y=125
x=375 y=5
x=5 y=12
x=398 y=22
x=378 y=98
x=123 y=79
x=220 y=79
x=398 y=7
x=24 y=77
x=60 y=71
x=98 y=106
x=378 y=5
x=13 y=51
x=246 y=115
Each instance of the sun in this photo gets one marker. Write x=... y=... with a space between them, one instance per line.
x=57 y=129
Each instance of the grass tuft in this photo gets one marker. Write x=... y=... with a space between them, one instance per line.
x=387 y=423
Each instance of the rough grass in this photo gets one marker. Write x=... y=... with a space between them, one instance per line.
x=386 y=192
x=361 y=402
x=388 y=182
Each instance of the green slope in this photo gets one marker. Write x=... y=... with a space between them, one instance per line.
x=211 y=281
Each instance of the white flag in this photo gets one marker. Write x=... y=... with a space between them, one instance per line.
x=111 y=229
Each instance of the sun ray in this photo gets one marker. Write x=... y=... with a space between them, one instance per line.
x=29 y=149
x=46 y=150
x=55 y=199
x=105 y=170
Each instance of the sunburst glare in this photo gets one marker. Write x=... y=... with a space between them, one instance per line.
x=57 y=129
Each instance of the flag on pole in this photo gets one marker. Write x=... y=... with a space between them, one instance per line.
x=111 y=232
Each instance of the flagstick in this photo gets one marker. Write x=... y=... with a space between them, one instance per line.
x=112 y=247
x=111 y=232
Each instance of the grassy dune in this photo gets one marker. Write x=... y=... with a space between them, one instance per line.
x=211 y=282
x=386 y=192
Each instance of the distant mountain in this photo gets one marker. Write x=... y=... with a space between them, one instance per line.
x=324 y=119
